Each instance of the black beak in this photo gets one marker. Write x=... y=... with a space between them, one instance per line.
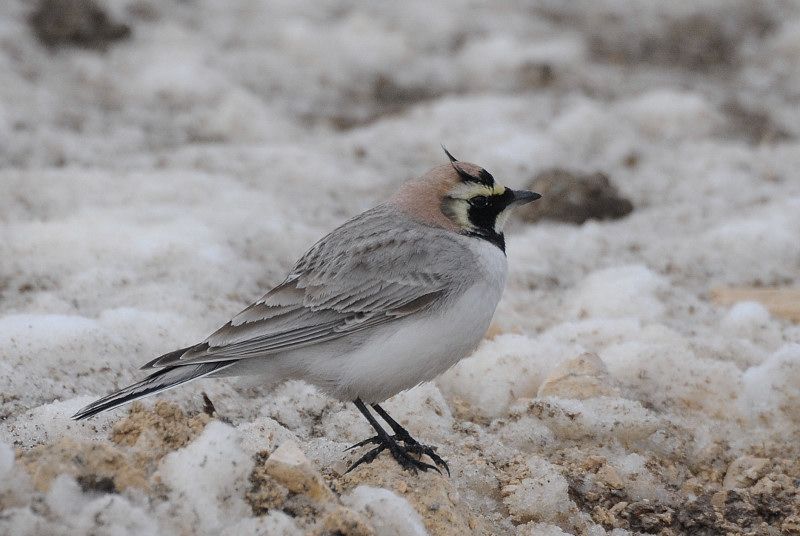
x=522 y=197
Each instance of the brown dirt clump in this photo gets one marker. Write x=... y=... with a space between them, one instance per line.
x=140 y=439
x=265 y=492
x=79 y=23
x=296 y=489
x=96 y=466
x=695 y=41
x=155 y=432
x=345 y=522
x=770 y=505
x=754 y=124
x=286 y=480
x=574 y=197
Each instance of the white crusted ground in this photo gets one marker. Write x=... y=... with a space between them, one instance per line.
x=149 y=192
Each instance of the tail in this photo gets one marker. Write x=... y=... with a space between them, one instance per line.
x=155 y=383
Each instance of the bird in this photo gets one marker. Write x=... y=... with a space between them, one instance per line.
x=390 y=299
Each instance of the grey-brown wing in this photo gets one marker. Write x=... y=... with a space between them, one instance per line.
x=370 y=271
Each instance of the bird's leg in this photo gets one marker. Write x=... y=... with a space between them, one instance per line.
x=412 y=445
x=400 y=433
x=387 y=442
x=376 y=439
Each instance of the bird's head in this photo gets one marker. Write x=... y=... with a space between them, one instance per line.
x=463 y=198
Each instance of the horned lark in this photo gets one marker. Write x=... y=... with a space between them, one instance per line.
x=392 y=298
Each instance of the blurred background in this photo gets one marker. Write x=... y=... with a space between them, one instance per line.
x=162 y=164
x=256 y=121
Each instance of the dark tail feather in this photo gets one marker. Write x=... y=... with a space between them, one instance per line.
x=171 y=356
x=155 y=383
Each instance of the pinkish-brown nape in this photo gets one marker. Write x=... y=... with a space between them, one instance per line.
x=421 y=198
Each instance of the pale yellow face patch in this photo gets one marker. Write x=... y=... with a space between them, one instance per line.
x=457 y=204
x=468 y=190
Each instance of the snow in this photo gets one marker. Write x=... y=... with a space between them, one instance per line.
x=392 y=514
x=206 y=479
x=746 y=318
x=6 y=460
x=542 y=496
x=500 y=371
x=618 y=292
x=152 y=190
x=275 y=523
x=771 y=387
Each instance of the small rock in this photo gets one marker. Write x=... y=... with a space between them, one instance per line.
x=582 y=377
x=617 y=508
x=745 y=471
x=290 y=467
x=693 y=486
x=718 y=499
x=610 y=477
x=75 y=22
x=345 y=522
x=739 y=510
x=575 y=197
x=289 y=453
x=286 y=481
x=697 y=516
x=265 y=494
x=593 y=463
x=791 y=525
x=644 y=516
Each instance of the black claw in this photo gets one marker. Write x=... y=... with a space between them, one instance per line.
x=430 y=452
x=439 y=461
x=401 y=454
x=361 y=443
x=375 y=440
x=407 y=462
x=367 y=458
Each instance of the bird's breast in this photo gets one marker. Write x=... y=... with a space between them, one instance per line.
x=419 y=348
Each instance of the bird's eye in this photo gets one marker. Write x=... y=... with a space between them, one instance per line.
x=480 y=201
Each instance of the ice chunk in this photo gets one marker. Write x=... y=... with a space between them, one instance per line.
x=499 y=372
x=207 y=477
x=540 y=497
x=6 y=460
x=631 y=290
x=389 y=513
x=274 y=523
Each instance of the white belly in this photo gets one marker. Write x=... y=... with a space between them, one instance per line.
x=402 y=355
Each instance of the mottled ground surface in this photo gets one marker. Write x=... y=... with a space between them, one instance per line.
x=163 y=164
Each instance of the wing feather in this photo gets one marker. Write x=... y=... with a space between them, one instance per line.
x=372 y=270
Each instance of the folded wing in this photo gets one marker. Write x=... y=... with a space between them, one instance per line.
x=366 y=273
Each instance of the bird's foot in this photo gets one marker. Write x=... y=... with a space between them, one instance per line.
x=401 y=453
x=430 y=452
x=375 y=440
